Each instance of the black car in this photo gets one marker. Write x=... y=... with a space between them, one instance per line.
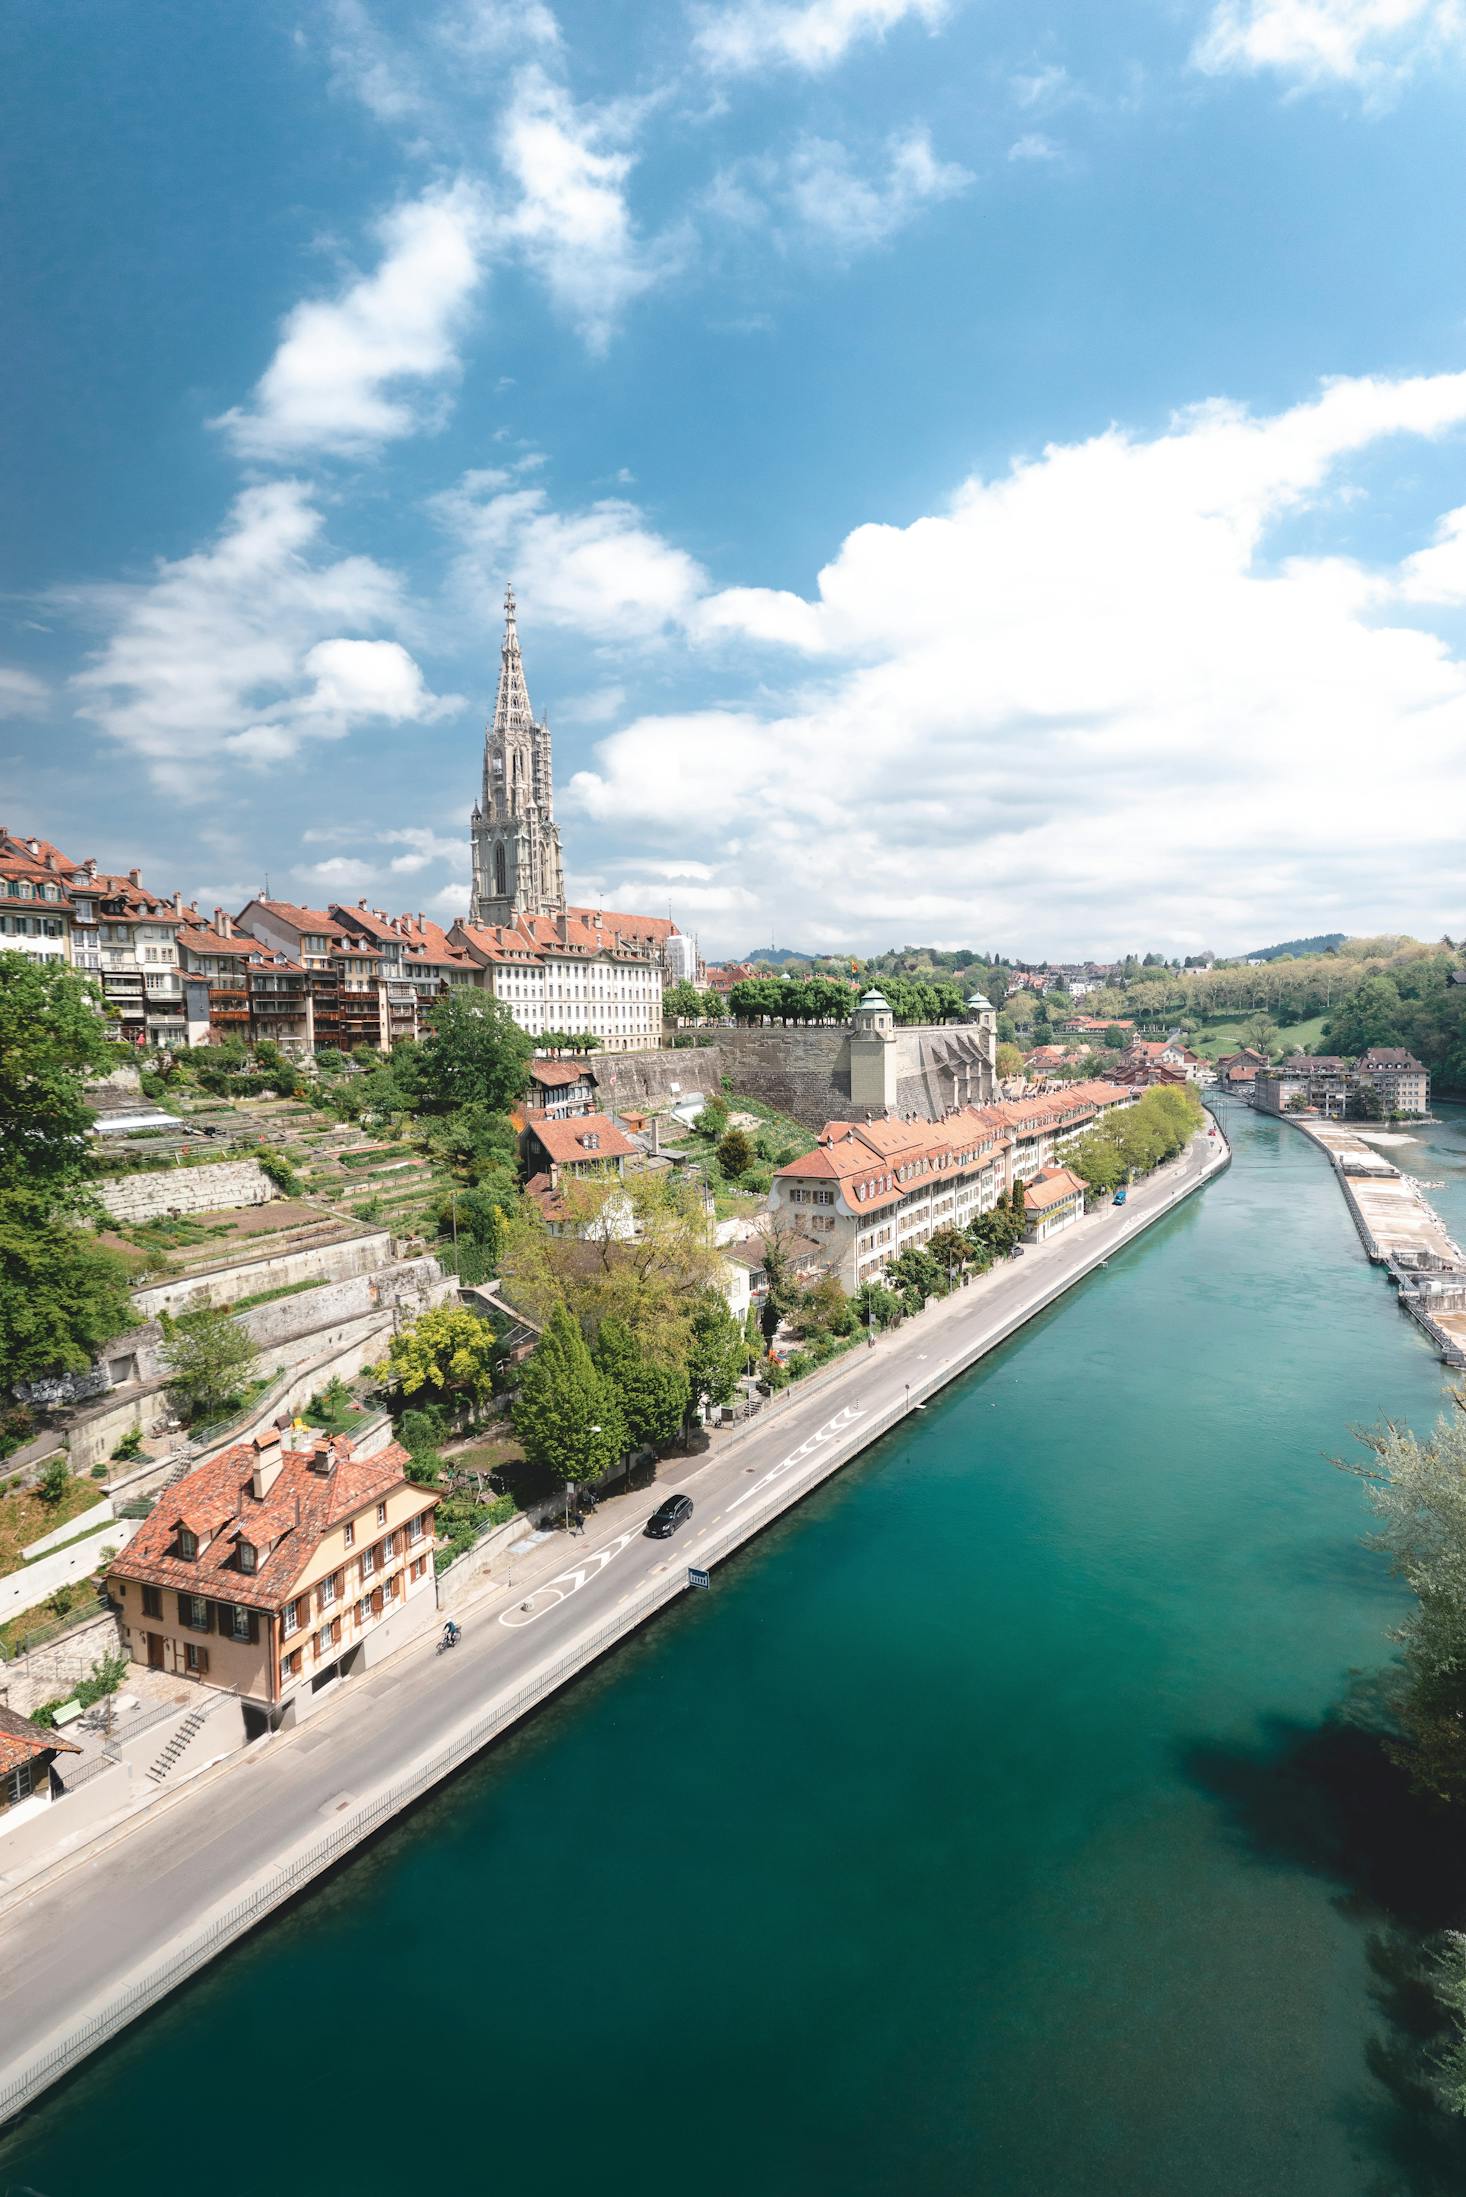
x=668 y=1516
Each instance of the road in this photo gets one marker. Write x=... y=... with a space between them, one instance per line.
x=154 y=1888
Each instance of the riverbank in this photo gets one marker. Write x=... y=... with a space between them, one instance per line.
x=101 y=1944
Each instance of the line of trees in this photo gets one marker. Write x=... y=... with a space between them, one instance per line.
x=1134 y=1139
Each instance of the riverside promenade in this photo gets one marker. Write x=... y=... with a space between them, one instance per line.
x=120 y=1924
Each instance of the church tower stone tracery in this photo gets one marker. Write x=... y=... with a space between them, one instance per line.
x=515 y=841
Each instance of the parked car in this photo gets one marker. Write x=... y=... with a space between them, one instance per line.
x=1120 y=1197
x=668 y=1516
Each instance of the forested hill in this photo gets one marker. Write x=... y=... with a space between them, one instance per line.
x=1296 y=948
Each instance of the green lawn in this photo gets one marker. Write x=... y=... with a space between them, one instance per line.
x=1212 y=1038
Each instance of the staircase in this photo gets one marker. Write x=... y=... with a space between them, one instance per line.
x=177 y=1746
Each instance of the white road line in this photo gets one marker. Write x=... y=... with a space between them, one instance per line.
x=558 y=1590
x=840 y=1424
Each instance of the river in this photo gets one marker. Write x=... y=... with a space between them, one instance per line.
x=989 y=1830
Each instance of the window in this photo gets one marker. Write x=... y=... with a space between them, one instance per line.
x=197 y=1659
x=193 y=1611
x=328 y=1592
x=248 y=1559
x=242 y=1624
x=291 y=1664
x=152 y=1601
x=389 y=1548
x=188 y=1544
x=381 y=1514
x=415 y=1528
x=20 y=1783
x=348 y=1534
x=368 y=1563
x=290 y=1623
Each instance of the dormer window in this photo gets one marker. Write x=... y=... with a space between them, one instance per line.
x=188 y=1545
x=248 y=1556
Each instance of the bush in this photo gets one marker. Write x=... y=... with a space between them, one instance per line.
x=99 y=1472
x=130 y=1446
x=54 y=1481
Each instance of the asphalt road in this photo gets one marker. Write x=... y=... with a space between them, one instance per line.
x=121 y=1905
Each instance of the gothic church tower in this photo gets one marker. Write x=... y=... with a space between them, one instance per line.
x=515 y=840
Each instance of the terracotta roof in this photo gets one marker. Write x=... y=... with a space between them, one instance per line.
x=21 y=1741
x=876 y=1161
x=295 y=918
x=1052 y=1186
x=216 y=1501
x=1390 y=1056
x=567 y=1143
x=555 y=1074
x=631 y=926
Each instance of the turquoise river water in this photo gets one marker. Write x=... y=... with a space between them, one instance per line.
x=990 y=1829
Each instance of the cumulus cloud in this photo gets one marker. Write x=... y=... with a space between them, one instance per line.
x=602 y=571
x=352 y=372
x=569 y=218
x=805 y=34
x=818 y=197
x=1314 y=40
x=1085 y=704
x=1033 y=145
x=20 y=692
x=235 y=653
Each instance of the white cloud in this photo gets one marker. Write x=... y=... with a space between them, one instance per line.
x=425 y=847
x=1083 y=706
x=1046 y=87
x=488 y=30
x=1033 y=145
x=412 y=85
x=832 y=202
x=570 y=220
x=1438 y=574
x=602 y=571
x=235 y=652
x=20 y=692
x=1313 y=40
x=350 y=372
x=812 y=34
x=815 y=197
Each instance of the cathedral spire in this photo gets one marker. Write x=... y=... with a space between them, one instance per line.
x=516 y=846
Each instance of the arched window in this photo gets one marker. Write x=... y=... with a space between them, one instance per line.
x=500 y=887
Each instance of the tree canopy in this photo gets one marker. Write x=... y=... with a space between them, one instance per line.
x=566 y=1411
x=447 y=1354
x=52 y=1037
x=474 y=1053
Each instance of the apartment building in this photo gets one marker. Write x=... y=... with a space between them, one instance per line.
x=35 y=908
x=1043 y=1127
x=401 y=995
x=279 y=1573
x=1400 y=1082
x=343 y=971
x=871 y=1189
x=579 y=972
x=1054 y=1200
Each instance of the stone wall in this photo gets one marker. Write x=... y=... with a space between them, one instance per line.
x=359 y=1254
x=33 y=1584
x=210 y=1189
x=803 y=1071
x=50 y=1670
x=410 y=1284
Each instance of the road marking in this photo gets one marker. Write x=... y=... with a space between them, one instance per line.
x=558 y=1590
x=840 y=1424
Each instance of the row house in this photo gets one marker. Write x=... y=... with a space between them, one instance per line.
x=870 y=1190
x=128 y=937
x=35 y=907
x=1043 y=1127
x=1384 y=1080
x=216 y=963
x=579 y=972
x=379 y=930
x=434 y=964
x=342 y=966
x=1399 y=1081
x=278 y=1573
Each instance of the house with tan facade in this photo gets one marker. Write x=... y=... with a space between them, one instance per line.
x=1053 y=1201
x=279 y=1573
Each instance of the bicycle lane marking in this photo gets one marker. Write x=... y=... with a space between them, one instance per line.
x=840 y=1424
x=558 y=1590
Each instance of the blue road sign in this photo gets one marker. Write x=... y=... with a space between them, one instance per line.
x=697 y=1578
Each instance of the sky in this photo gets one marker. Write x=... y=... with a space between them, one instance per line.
x=972 y=474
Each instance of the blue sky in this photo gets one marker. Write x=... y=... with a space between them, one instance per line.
x=972 y=474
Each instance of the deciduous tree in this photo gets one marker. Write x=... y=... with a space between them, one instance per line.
x=475 y=1053
x=209 y=1358
x=565 y=1411
x=447 y=1354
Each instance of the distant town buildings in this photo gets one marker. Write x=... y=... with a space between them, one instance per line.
x=1383 y=1082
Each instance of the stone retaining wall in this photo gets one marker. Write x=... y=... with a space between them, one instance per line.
x=803 y=1071
x=51 y=1670
x=225 y=1284
x=209 y=1189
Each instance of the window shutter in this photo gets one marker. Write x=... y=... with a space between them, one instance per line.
x=254 y=1627
x=184 y=1601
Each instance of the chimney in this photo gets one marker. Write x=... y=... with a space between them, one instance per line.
x=323 y=1457
x=223 y=924
x=134 y=877
x=363 y=907
x=177 y=902
x=90 y=865
x=34 y=845
x=268 y=1461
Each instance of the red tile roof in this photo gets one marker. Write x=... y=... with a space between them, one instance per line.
x=216 y=1501
x=21 y=1741
x=566 y=1141
x=1050 y=1187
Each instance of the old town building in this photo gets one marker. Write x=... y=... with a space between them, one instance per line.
x=277 y=1573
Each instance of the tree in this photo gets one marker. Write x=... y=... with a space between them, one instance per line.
x=479 y=1144
x=653 y=1398
x=713 y=1119
x=63 y=1296
x=735 y=1152
x=1261 y=1033
x=877 y=1306
x=447 y=1354
x=565 y=1412
x=715 y=1352
x=1010 y=1061
x=209 y=1358
x=1372 y=1015
x=52 y=1037
x=1116 y=1040
x=475 y=1052
x=639 y=1251
x=682 y=1002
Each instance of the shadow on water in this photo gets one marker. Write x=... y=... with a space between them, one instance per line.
x=1326 y=1798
